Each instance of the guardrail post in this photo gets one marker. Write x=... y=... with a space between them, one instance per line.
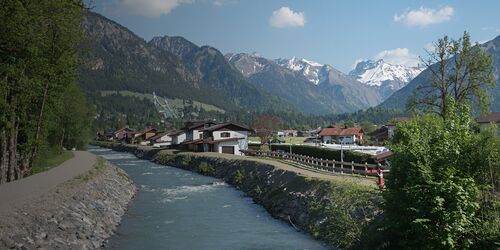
x=366 y=169
x=352 y=168
x=341 y=167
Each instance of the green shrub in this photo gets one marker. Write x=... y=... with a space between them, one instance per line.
x=186 y=160
x=238 y=177
x=206 y=169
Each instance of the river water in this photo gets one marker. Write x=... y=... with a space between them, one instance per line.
x=179 y=209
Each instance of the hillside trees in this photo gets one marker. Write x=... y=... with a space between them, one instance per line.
x=37 y=63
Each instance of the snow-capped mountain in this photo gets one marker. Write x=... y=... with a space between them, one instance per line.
x=313 y=71
x=310 y=86
x=384 y=75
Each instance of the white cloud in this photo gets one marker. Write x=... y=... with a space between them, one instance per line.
x=223 y=2
x=425 y=16
x=430 y=47
x=285 y=17
x=399 y=56
x=148 y=8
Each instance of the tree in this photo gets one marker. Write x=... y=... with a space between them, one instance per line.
x=459 y=70
x=265 y=126
x=440 y=192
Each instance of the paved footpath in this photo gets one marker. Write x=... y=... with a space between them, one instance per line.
x=19 y=192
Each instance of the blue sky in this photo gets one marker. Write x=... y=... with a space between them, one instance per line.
x=333 y=32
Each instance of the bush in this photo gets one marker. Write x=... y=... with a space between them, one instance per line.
x=324 y=153
x=205 y=168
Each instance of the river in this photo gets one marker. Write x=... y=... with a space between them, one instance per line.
x=179 y=209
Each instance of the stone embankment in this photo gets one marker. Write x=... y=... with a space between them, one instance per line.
x=340 y=212
x=77 y=214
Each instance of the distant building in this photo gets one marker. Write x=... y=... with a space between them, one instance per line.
x=380 y=135
x=337 y=135
x=144 y=136
x=161 y=139
x=485 y=121
x=178 y=137
x=391 y=126
x=291 y=133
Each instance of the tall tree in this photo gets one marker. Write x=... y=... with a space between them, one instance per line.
x=265 y=126
x=459 y=70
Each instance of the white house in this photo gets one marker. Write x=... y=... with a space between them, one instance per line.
x=227 y=138
x=193 y=129
x=178 y=137
x=161 y=139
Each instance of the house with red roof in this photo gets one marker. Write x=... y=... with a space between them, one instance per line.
x=341 y=135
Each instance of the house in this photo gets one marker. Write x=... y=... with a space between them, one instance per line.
x=161 y=139
x=291 y=133
x=144 y=136
x=485 y=121
x=105 y=135
x=178 y=136
x=226 y=138
x=391 y=126
x=192 y=129
x=337 y=135
x=126 y=135
x=380 y=135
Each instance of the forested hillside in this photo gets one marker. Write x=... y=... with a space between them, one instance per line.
x=41 y=108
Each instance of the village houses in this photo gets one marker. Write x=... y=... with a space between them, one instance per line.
x=341 y=135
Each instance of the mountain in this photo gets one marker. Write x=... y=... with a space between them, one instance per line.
x=118 y=60
x=400 y=97
x=312 y=87
x=387 y=78
x=313 y=71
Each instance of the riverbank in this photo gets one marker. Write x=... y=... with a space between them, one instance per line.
x=336 y=210
x=56 y=210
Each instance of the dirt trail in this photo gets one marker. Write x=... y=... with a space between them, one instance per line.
x=14 y=194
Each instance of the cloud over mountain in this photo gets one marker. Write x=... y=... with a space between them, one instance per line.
x=399 y=56
x=285 y=17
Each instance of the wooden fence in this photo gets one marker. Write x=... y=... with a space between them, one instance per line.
x=331 y=166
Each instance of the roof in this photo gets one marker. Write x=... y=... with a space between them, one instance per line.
x=175 y=132
x=222 y=140
x=383 y=156
x=226 y=124
x=158 y=136
x=196 y=124
x=492 y=117
x=291 y=131
x=340 y=131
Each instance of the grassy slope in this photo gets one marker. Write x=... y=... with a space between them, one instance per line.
x=52 y=159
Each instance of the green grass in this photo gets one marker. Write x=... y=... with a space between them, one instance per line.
x=174 y=103
x=51 y=160
x=295 y=139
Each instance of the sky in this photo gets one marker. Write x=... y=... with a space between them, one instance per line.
x=338 y=33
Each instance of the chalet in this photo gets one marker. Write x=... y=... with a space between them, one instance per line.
x=144 y=136
x=391 y=126
x=178 y=137
x=485 y=121
x=337 y=135
x=291 y=133
x=227 y=138
x=125 y=134
x=192 y=129
x=380 y=135
x=161 y=139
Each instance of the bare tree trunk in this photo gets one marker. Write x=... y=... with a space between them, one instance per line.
x=12 y=149
x=4 y=155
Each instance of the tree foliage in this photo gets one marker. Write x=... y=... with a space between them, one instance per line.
x=37 y=65
x=460 y=71
x=265 y=127
x=444 y=177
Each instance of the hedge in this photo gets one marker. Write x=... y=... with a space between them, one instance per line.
x=324 y=153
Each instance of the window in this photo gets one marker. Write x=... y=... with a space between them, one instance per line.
x=225 y=134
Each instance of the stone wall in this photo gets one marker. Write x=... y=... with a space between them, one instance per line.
x=79 y=214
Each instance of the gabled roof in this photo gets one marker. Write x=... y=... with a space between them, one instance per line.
x=492 y=117
x=226 y=124
x=126 y=129
x=340 y=131
x=175 y=132
x=158 y=136
x=196 y=124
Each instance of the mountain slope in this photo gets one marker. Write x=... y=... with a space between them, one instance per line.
x=400 y=97
x=385 y=77
x=310 y=86
x=117 y=59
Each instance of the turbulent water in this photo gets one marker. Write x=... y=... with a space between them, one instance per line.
x=178 y=209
